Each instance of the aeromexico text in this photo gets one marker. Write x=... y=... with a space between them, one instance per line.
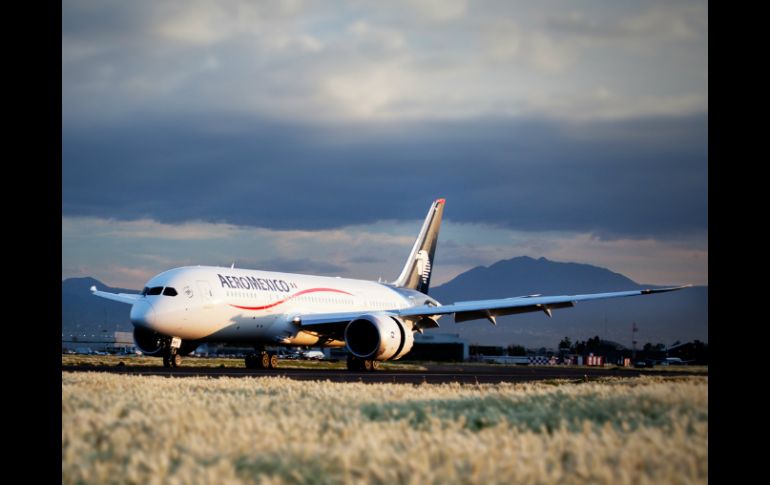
x=252 y=283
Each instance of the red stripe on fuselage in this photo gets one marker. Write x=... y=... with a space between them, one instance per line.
x=295 y=295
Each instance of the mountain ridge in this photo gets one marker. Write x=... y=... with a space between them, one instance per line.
x=681 y=315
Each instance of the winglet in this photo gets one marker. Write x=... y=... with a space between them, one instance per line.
x=663 y=290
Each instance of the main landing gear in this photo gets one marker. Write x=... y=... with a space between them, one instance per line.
x=355 y=363
x=262 y=360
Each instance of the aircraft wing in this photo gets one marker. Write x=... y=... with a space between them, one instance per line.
x=472 y=310
x=489 y=309
x=129 y=298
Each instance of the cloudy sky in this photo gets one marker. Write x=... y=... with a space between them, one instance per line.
x=312 y=136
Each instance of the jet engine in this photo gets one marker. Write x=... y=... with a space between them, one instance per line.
x=152 y=343
x=149 y=342
x=378 y=337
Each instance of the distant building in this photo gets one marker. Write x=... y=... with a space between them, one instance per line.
x=481 y=350
x=124 y=341
x=102 y=342
x=695 y=352
x=439 y=347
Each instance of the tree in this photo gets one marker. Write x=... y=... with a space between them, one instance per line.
x=565 y=344
x=580 y=347
x=516 y=350
x=593 y=343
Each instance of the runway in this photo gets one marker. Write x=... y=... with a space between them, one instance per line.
x=435 y=374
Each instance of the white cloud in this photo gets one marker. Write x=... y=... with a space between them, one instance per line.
x=602 y=103
x=127 y=253
x=438 y=10
x=146 y=229
x=203 y=22
x=380 y=60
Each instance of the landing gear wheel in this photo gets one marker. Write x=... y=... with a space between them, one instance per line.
x=172 y=360
x=354 y=363
x=262 y=360
x=258 y=361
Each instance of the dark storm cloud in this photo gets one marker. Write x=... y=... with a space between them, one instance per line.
x=627 y=178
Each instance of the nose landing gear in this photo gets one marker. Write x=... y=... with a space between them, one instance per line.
x=171 y=357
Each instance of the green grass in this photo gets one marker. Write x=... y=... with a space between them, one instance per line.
x=143 y=360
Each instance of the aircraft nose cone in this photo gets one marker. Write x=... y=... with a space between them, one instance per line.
x=142 y=314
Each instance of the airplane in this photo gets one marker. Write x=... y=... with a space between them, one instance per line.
x=184 y=307
x=676 y=361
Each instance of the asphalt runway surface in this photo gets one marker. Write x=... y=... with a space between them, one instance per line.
x=435 y=374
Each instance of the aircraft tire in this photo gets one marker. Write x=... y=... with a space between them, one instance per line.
x=264 y=361
x=273 y=361
x=175 y=360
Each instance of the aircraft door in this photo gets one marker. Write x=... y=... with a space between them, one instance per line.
x=204 y=290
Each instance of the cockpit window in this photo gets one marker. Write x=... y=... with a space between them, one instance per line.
x=155 y=290
x=145 y=290
x=169 y=291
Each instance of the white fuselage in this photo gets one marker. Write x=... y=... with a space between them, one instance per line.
x=240 y=305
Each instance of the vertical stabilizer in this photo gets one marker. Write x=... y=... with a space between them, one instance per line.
x=418 y=267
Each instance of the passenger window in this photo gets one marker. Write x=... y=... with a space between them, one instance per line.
x=155 y=290
x=169 y=291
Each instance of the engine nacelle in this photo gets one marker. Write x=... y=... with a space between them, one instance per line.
x=149 y=342
x=378 y=337
x=152 y=343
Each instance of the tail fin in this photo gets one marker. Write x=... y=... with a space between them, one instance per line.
x=417 y=270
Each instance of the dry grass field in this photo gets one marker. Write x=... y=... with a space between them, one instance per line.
x=235 y=363
x=139 y=429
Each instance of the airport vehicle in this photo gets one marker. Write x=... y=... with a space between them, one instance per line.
x=675 y=361
x=183 y=307
x=313 y=355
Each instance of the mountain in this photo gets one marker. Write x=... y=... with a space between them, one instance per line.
x=667 y=317
x=527 y=276
x=680 y=315
x=82 y=313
